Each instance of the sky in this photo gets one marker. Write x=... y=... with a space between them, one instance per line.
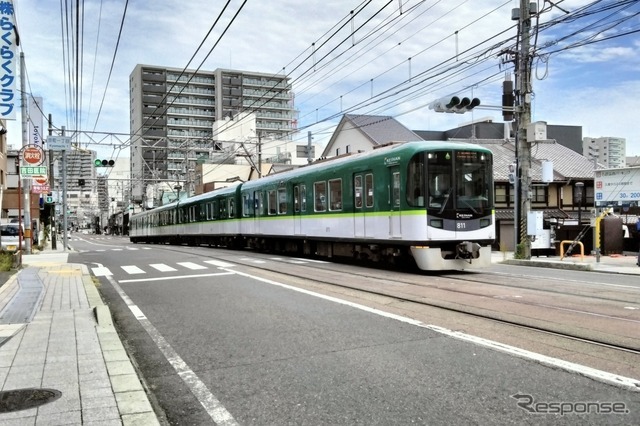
x=376 y=57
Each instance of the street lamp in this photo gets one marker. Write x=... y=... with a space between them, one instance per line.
x=178 y=188
x=579 y=186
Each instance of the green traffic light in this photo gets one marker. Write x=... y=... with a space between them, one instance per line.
x=103 y=163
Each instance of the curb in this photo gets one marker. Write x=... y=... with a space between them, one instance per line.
x=554 y=265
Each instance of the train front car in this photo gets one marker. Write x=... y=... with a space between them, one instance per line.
x=452 y=185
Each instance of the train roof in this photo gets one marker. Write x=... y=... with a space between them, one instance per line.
x=406 y=149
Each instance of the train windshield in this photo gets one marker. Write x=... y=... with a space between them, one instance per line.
x=452 y=180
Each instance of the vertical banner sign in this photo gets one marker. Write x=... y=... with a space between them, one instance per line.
x=8 y=79
x=35 y=120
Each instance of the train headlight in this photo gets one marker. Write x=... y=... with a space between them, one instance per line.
x=436 y=223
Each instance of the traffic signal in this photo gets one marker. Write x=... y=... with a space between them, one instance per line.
x=507 y=99
x=81 y=182
x=512 y=173
x=454 y=104
x=104 y=163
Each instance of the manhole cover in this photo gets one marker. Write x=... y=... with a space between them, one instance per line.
x=23 y=399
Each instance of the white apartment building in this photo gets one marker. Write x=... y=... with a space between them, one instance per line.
x=173 y=111
x=610 y=152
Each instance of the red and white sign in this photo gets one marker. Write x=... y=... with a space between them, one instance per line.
x=33 y=155
x=41 y=180
x=40 y=189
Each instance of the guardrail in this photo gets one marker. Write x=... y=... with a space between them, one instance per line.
x=572 y=242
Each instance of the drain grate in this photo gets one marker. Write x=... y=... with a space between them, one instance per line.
x=23 y=399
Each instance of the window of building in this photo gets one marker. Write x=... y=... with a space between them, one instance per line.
x=501 y=193
x=539 y=194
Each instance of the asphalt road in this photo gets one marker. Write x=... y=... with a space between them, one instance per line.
x=252 y=350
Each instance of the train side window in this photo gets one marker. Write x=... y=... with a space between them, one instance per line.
x=271 y=202
x=282 y=201
x=223 y=209
x=231 y=208
x=357 y=188
x=396 y=189
x=303 y=198
x=296 y=199
x=320 y=196
x=335 y=194
x=368 y=189
x=416 y=181
x=247 y=205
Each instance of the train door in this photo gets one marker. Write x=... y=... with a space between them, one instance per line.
x=258 y=206
x=299 y=207
x=395 y=230
x=358 y=206
x=363 y=202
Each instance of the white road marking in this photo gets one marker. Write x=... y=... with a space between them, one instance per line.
x=251 y=259
x=219 y=263
x=191 y=265
x=179 y=277
x=131 y=269
x=626 y=382
x=310 y=260
x=101 y=271
x=137 y=312
x=211 y=404
x=162 y=267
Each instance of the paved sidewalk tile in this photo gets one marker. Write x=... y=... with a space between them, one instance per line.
x=62 y=347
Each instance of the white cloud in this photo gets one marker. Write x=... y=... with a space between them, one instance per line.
x=591 y=86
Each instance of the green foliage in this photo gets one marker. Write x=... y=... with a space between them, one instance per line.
x=6 y=260
x=520 y=251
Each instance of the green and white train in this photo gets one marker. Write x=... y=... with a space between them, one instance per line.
x=430 y=201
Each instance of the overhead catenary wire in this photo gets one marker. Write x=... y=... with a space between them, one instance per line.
x=412 y=91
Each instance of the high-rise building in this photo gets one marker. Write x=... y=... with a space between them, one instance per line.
x=608 y=151
x=173 y=111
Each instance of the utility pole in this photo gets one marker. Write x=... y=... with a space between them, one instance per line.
x=52 y=206
x=26 y=183
x=259 y=154
x=523 y=119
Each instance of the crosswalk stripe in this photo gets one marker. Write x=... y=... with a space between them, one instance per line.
x=219 y=263
x=162 y=267
x=101 y=271
x=191 y=265
x=251 y=259
x=131 y=269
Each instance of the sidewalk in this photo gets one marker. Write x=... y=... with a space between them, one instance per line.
x=614 y=264
x=61 y=359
